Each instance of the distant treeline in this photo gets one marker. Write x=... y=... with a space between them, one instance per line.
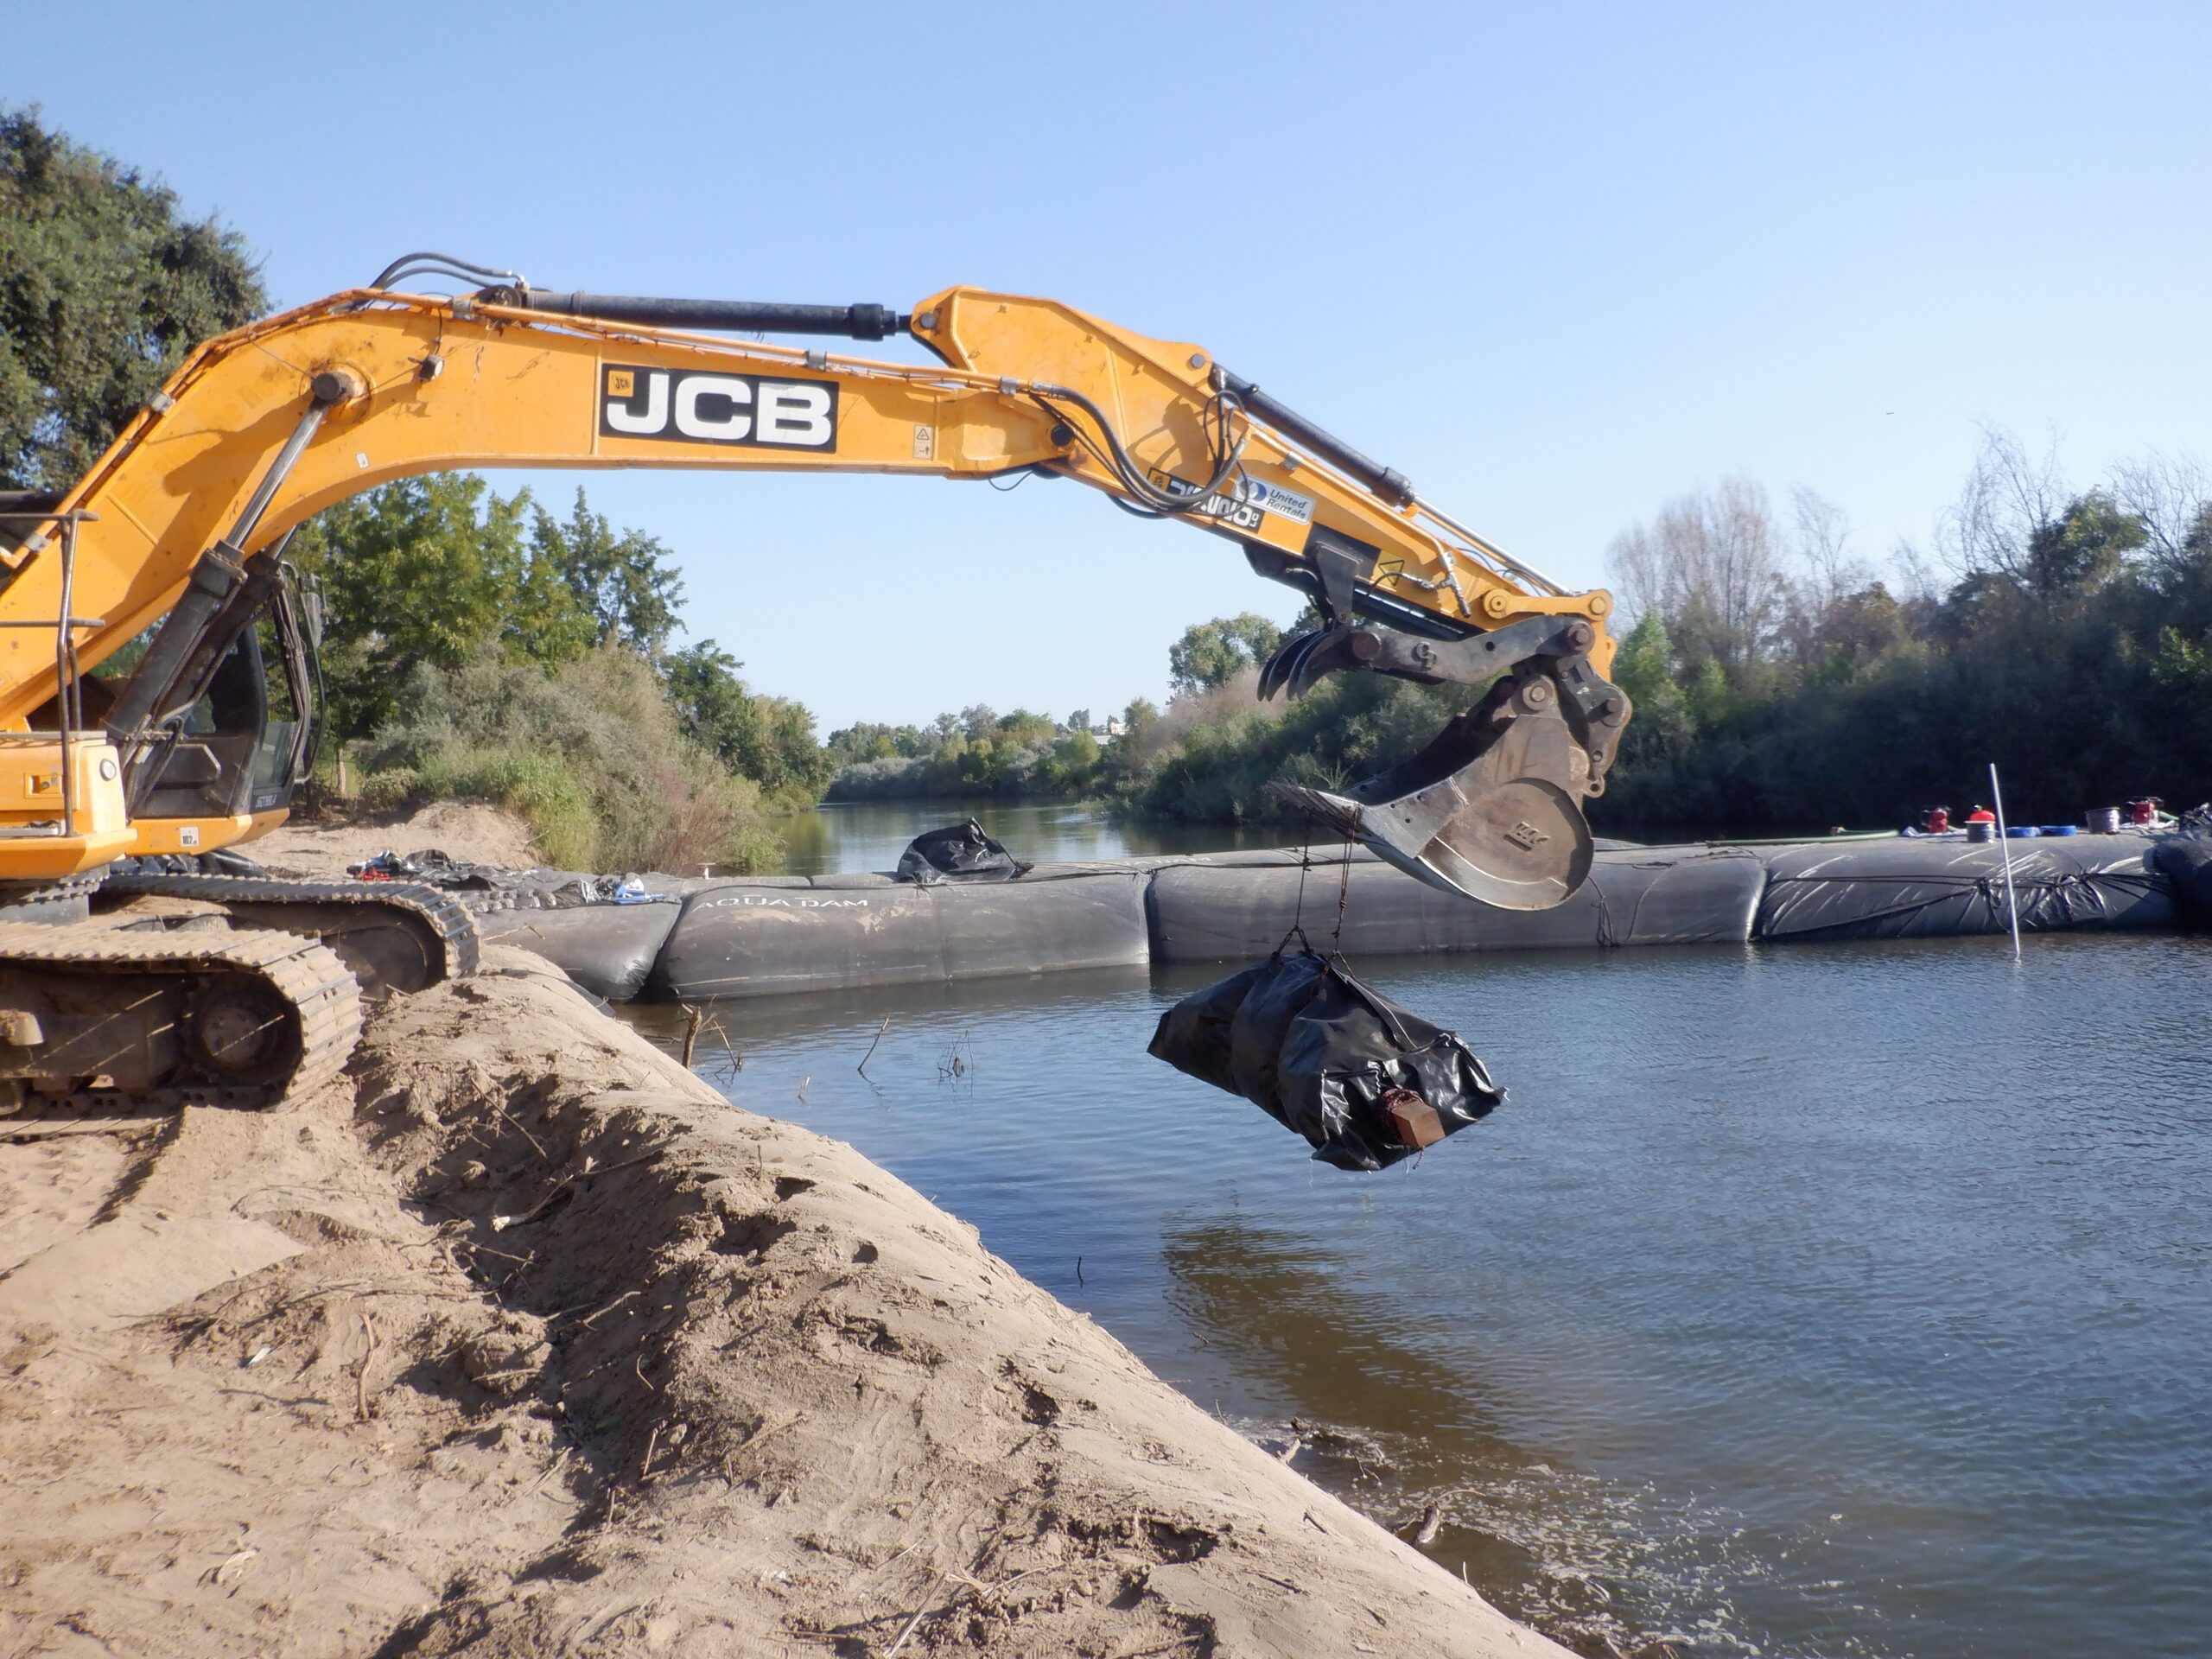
x=976 y=753
x=2063 y=633
x=2068 y=638
x=980 y=752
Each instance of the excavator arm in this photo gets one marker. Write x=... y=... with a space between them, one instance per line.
x=182 y=523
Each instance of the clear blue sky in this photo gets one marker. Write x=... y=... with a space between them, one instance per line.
x=1557 y=263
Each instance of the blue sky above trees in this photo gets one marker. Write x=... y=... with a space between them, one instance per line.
x=1558 y=263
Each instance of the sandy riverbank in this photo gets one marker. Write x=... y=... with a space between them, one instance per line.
x=470 y=830
x=522 y=1340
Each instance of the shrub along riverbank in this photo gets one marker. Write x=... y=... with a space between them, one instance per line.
x=479 y=648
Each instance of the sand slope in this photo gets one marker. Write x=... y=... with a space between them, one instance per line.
x=530 y=1344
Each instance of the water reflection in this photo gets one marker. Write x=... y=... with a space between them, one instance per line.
x=870 y=836
x=1396 y=1429
x=1284 y=1307
x=827 y=1017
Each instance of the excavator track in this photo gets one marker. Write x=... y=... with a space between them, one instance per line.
x=393 y=935
x=108 y=1020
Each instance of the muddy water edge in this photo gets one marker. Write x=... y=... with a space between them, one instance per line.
x=1803 y=1300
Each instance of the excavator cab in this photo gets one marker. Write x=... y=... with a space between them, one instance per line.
x=227 y=728
x=242 y=746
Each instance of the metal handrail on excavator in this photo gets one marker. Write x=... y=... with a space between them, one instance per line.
x=68 y=702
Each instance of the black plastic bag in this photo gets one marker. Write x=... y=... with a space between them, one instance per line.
x=432 y=867
x=961 y=852
x=2185 y=860
x=1366 y=1082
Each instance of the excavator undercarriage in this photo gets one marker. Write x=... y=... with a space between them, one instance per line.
x=162 y=990
x=150 y=1016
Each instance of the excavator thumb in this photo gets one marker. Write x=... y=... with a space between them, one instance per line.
x=1491 y=809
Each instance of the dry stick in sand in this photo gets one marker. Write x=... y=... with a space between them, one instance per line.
x=943 y=1579
x=697 y=1023
x=865 y=1058
x=361 y=1376
x=507 y=1117
x=892 y=1652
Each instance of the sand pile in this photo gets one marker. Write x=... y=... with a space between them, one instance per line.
x=470 y=830
x=526 y=1342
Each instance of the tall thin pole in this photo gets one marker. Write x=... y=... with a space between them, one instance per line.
x=2005 y=846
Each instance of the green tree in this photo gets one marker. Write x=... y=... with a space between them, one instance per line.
x=1213 y=653
x=433 y=571
x=2087 y=544
x=769 y=739
x=104 y=286
x=1711 y=696
x=869 y=741
x=1024 y=729
x=1855 y=629
x=623 y=581
x=1643 y=668
x=441 y=571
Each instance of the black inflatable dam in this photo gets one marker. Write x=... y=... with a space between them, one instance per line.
x=776 y=934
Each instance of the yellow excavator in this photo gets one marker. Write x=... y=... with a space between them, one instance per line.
x=158 y=666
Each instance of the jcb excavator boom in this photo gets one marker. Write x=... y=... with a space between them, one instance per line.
x=183 y=521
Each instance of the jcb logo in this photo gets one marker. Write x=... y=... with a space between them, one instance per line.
x=695 y=407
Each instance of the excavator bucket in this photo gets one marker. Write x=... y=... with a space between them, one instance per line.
x=1490 y=809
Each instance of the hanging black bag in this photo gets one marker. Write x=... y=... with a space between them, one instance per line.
x=1366 y=1082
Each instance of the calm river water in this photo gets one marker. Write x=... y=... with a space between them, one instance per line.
x=1841 y=1300
x=871 y=835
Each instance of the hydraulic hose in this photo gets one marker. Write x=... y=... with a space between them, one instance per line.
x=1162 y=502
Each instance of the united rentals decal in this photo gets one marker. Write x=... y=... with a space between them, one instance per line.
x=698 y=406
x=1248 y=499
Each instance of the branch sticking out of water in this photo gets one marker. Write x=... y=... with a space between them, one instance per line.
x=865 y=1058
